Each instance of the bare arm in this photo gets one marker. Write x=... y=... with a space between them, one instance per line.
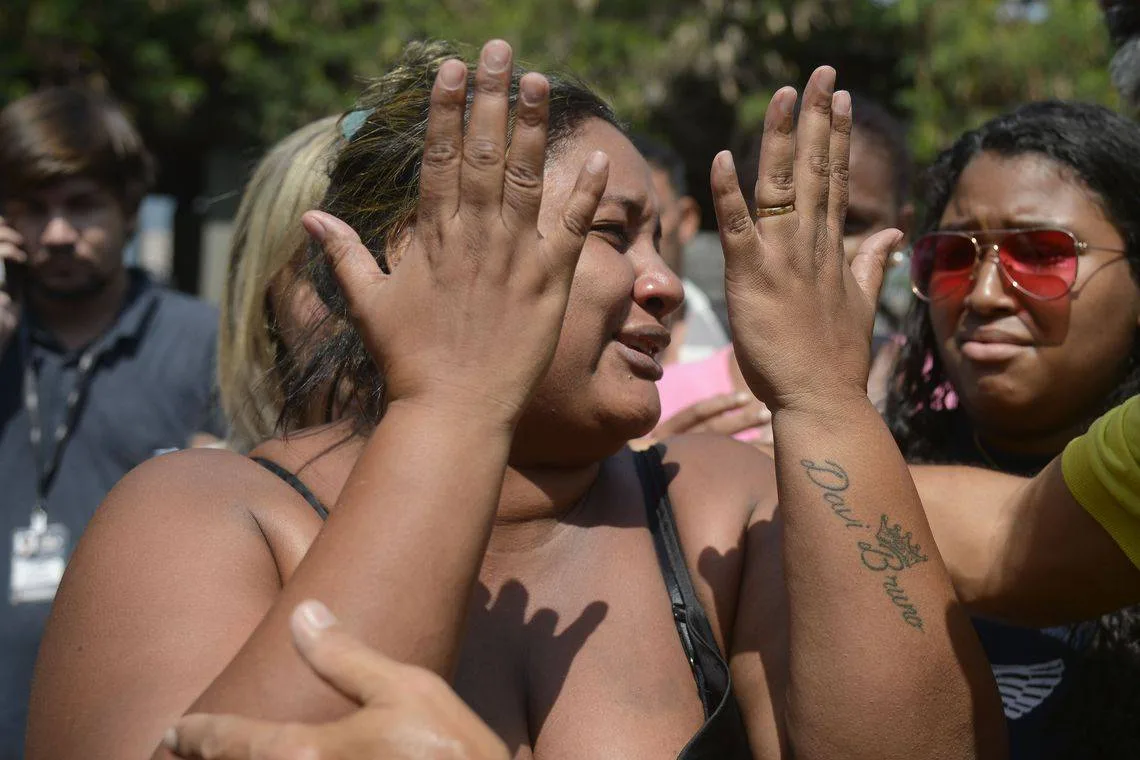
x=461 y=335
x=1024 y=550
x=883 y=661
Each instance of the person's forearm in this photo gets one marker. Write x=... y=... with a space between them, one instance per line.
x=884 y=662
x=1044 y=560
x=395 y=561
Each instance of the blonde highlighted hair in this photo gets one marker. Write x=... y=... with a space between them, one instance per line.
x=268 y=244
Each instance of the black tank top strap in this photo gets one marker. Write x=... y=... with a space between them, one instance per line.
x=723 y=734
x=295 y=483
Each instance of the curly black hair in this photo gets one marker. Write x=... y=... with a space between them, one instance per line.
x=1102 y=150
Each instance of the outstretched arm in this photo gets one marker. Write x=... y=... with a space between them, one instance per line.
x=1057 y=548
x=883 y=660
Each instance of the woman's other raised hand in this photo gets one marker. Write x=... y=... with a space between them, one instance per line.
x=801 y=317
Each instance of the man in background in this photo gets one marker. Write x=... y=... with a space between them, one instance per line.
x=103 y=369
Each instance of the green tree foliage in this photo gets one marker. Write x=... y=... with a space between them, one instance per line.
x=969 y=60
x=245 y=72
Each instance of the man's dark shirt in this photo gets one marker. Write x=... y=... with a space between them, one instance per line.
x=151 y=389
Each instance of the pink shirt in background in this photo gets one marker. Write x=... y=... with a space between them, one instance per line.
x=685 y=384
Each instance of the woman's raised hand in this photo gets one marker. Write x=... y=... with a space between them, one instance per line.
x=405 y=712
x=470 y=315
x=801 y=317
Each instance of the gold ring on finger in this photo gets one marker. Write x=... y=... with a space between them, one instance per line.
x=766 y=211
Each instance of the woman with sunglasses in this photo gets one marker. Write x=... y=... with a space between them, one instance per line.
x=1025 y=330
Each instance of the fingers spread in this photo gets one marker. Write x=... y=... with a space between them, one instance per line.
x=343 y=661
x=230 y=737
x=737 y=232
x=443 y=144
x=485 y=144
x=813 y=144
x=775 y=182
x=870 y=262
x=522 y=186
x=563 y=245
x=839 y=166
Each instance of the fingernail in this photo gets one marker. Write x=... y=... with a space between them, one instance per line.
x=596 y=163
x=786 y=102
x=841 y=103
x=496 y=56
x=826 y=79
x=532 y=90
x=452 y=74
x=724 y=158
x=170 y=738
x=741 y=398
x=314 y=616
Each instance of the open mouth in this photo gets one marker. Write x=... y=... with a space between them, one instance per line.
x=647 y=346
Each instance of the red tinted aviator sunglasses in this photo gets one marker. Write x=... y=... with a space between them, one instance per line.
x=1041 y=263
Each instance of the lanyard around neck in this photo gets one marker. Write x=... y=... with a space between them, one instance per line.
x=47 y=467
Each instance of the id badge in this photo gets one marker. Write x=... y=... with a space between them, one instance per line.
x=39 y=556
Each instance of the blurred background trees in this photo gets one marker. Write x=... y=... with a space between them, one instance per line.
x=214 y=81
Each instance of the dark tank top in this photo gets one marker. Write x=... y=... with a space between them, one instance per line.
x=722 y=736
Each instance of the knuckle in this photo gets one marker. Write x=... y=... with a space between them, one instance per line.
x=426 y=682
x=819 y=164
x=490 y=84
x=782 y=179
x=840 y=172
x=738 y=223
x=576 y=223
x=821 y=106
x=482 y=152
x=440 y=153
x=291 y=741
x=523 y=176
x=530 y=116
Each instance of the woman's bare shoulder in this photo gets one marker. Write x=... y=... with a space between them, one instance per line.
x=201 y=482
x=165 y=584
x=720 y=477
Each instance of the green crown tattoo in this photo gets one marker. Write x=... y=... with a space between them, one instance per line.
x=893 y=540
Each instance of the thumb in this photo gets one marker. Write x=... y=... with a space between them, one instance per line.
x=869 y=264
x=344 y=662
x=353 y=264
x=738 y=237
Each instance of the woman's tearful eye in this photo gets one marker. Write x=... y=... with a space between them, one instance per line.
x=614 y=234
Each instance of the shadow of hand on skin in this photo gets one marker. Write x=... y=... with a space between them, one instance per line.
x=761 y=605
x=545 y=674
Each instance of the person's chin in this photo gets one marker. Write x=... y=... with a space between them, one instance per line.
x=636 y=415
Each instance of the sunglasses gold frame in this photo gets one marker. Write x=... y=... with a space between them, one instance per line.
x=992 y=247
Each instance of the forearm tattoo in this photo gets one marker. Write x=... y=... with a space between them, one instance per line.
x=883 y=548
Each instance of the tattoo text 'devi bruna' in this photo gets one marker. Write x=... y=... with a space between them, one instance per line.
x=892 y=550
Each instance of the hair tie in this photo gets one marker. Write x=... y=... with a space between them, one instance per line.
x=353 y=121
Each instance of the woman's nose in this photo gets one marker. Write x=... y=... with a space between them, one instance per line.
x=989 y=290
x=658 y=290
